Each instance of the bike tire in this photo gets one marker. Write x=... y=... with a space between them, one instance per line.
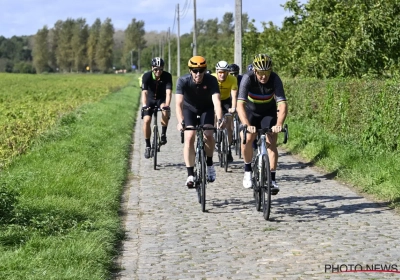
x=203 y=180
x=257 y=186
x=266 y=187
x=197 y=172
x=220 y=148
x=155 y=146
x=225 y=149
x=237 y=139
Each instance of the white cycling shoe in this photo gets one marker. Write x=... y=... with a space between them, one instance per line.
x=247 y=180
x=190 y=182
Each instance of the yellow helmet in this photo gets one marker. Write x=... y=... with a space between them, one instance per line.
x=262 y=62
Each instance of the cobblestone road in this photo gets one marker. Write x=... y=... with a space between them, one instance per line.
x=315 y=222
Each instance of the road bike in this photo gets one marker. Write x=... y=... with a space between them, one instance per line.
x=156 y=141
x=261 y=170
x=222 y=141
x=200 y=178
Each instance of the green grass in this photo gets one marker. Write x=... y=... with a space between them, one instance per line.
x=373 y=173
x=59 y=202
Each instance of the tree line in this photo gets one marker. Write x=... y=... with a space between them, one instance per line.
x=322 y=39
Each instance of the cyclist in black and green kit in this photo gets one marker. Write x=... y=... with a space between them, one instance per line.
x=156 y=92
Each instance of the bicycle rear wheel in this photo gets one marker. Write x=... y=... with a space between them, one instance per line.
x=266 y=187
x=155 y=146
x=237 y=138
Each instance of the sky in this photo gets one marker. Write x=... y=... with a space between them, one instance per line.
x=26 y=17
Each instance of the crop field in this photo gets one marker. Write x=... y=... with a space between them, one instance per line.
x=31 y=104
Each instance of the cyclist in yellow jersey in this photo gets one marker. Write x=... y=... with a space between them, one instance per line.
x=228 y=89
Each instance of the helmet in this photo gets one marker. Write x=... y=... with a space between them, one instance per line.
x=250 y=67
x=208 y=71
x=262 y=62
x=234 y=68
x=197 y=62
x=222 y=65
x=157 y=62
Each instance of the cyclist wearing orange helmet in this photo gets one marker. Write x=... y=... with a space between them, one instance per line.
x=197 y=94
x=260 y=95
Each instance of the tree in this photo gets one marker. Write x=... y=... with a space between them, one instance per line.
x=93 y=40
x=104 y=50
x=134 y=40
x=41 y=50
x=80 y=34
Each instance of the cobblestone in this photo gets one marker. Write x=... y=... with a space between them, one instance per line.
x=315 y=221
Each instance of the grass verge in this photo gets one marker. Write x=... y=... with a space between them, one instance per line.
x=59 y=203
x=376 y=174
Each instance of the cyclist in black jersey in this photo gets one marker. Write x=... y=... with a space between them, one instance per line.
x=234 y=70
x=261 y=104
x=156 y=92
x=197 y=94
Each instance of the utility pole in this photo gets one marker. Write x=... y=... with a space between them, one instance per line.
x=194 y=30
x=178 y=71
x=238 y=34
x=169 y=51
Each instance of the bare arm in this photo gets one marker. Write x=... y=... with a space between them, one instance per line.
x=234 y=98
x=144 y=97
x=216 y=98
x=283 y=109
x=179 y=107
x=241 y=109
x=168 y=97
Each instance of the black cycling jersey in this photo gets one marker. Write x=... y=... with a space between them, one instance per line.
x=261 y=98
x=156 y=89
x=197 y=97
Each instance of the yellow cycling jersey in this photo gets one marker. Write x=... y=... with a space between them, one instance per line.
x=226 y=86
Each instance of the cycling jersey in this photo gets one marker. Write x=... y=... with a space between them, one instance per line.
x=156 y=89
x=261 y=99
x=226 y=86
x=197 y=97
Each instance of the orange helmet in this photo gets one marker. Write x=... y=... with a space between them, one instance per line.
x=197 y=62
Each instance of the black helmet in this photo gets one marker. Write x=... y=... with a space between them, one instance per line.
x=157 y=62
x=234 y=68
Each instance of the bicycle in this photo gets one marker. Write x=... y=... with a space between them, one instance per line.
x=200 y=162
x=262 y=171
x=223 y=145
x=156 y=142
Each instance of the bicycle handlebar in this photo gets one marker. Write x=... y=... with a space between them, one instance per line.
x=265 y=130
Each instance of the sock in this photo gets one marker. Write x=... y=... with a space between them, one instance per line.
x=190 y=171
x=229 y=150
x=147 y=142
x=273 y=173
x=163 y=130
x=209 y=161
x=247 y=167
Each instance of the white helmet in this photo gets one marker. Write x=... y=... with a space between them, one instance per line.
x=222 y=65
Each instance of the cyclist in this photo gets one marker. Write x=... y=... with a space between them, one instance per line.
x=261 y=94
x=234 y=70
x=156 y=91
x=197 y=94
x=228 y=89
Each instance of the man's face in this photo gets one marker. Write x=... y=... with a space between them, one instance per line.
x=221 y=75
x=197 y=74
x=157 y=71
x=263 y=75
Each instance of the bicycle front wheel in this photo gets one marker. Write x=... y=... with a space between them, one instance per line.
x=225 y=150
x=155 y=146
x=203 y=180
x=266 y=187
x=257 y=185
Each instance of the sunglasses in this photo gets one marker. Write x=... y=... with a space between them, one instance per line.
x=200 y=70
x=264 y=72
x=158 y=69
